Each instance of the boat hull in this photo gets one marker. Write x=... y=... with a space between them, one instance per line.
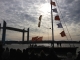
x=58 y=50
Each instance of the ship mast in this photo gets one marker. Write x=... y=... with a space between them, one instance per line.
x=52 y=25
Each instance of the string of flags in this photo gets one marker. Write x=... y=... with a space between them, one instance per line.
x=37 y=38
x=55 y=10
x=63 y=34
x=39 y=23
x=52 y=3
x=57 y=18
x=59 y=25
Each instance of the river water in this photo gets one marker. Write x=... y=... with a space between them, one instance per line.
x=24 y=46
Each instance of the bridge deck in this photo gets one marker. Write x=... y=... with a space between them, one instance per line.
x=33 y=42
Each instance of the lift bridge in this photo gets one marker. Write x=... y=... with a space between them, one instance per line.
x=27 y=41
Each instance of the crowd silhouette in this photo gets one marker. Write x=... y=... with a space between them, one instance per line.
x=17 y=54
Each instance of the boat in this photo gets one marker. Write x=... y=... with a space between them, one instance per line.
x=58 y=50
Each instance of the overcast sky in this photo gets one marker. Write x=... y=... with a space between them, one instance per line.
x=25 y=13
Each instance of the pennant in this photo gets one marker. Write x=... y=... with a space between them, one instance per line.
x=53 y=3
x=40 y=17
x=39 y=24
x=63 y=34
x=57 y=17
x=59 y=25
x=39 y=38
x=34 y=38
x=55 y=10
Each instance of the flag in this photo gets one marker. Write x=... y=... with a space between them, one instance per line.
x=40 y=17
x=57 y=17
x=34 y=38
x=39 y=23
x=63 y=34
x=55 y=10
x=53 y=3
x=59 y=25
x=39 y=39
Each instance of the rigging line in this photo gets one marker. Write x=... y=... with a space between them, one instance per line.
x=65 y=25
x=66 y=36
x=47 y=30
x=39 y=32
x=45 y=26
x=63 y=29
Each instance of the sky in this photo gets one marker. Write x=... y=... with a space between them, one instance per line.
x=25 y=14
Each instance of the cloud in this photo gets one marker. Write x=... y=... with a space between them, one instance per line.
x=71 y=11
x=25 y=14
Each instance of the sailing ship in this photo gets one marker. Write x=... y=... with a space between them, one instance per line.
x=58 y=50
x=61 y=50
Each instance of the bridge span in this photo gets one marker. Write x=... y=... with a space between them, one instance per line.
x=38 y=42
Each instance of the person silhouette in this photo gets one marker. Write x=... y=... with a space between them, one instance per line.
x=78 y=56
x=52 y=55
x=69 y=56
x=60 y=44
